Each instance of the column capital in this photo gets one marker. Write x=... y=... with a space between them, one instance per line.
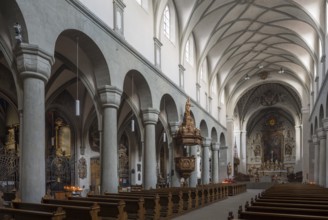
x=181 y=68
x=150 y=116
x=207 y=142
x=110 y=96
x=174 y=127
x=33 y=62
x=315 y=139
x=321 y=134
x=215 y=146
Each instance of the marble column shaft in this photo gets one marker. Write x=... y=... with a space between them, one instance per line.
x=150 y=118
x=110 y=97
x=215 y=162
x=34 y=67
x=316 y=158
x=205 y=161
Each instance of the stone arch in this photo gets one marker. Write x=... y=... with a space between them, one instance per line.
x=137 y=88
x=222 y=140
x=203 y=129
x=214 y=135
x=321 y=116
x=168 y=108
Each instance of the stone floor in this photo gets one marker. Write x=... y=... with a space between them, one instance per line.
x=221 y=209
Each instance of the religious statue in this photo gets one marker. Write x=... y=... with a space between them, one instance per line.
x=82 y=168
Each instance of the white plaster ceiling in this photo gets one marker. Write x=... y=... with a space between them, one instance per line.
x=236 y=37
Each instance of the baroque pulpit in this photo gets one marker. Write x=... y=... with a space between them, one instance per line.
x=187 y=135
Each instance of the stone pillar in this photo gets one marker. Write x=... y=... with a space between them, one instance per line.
x=322 y=156
x=325 y=126
x=175 y=181
x=243 y=146
x=298 y=149
x=150 y=118
x=223 y=162
x=181 y=76
x=193 y=177
x=305 y=153
x=311 y=162
x=110 y=98
x=230 y=141
x=215 y=164
x=205 y=161
x=34 y=67
x=315 y=141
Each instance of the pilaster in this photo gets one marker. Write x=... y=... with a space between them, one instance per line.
x=325 y=127
x=322 y=156
x=315 y=142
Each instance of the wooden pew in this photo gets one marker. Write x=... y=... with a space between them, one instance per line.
x=72 y=212
x=133 y=206
x=151 y=202
x=291 y=205
x=275 y=216
x=288 y=210
x=112 y=210
x=20 y=214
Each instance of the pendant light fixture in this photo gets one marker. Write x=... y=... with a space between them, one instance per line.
x=164 y=137
x=77 y=101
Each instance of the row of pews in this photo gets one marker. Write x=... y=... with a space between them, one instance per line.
x=155 y=204
x=287 y=201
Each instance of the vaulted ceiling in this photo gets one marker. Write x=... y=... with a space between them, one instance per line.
x=270 y=41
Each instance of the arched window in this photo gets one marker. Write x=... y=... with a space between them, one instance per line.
x=166 y=22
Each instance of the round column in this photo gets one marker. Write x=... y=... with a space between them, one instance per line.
x=34 y=67
x=322 y=156
x=175 y=182
x=215 y=160
x=325 y=126
x=110 y=98
x=315 y=141
x=205 y=161
x=150 y=118
x=193 y=177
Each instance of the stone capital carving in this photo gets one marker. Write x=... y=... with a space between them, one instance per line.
x=150 y=116
x=215 y=146
x=32 y=62
x=207 y=142
x=110 y=96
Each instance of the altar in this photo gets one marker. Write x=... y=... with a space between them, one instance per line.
x=279 y=176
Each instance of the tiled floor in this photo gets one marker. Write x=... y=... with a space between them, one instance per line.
x=221 y=209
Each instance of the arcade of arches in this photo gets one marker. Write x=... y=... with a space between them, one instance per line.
x=93 y=94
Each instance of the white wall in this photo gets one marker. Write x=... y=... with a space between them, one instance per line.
x=102 y=9
x=139 y=28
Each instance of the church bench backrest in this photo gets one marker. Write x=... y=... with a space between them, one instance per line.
x=133 y=206
x=114 y=210
x=19 y=214
x=72 y=212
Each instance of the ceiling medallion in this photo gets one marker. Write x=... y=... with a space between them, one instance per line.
x=263 y=75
